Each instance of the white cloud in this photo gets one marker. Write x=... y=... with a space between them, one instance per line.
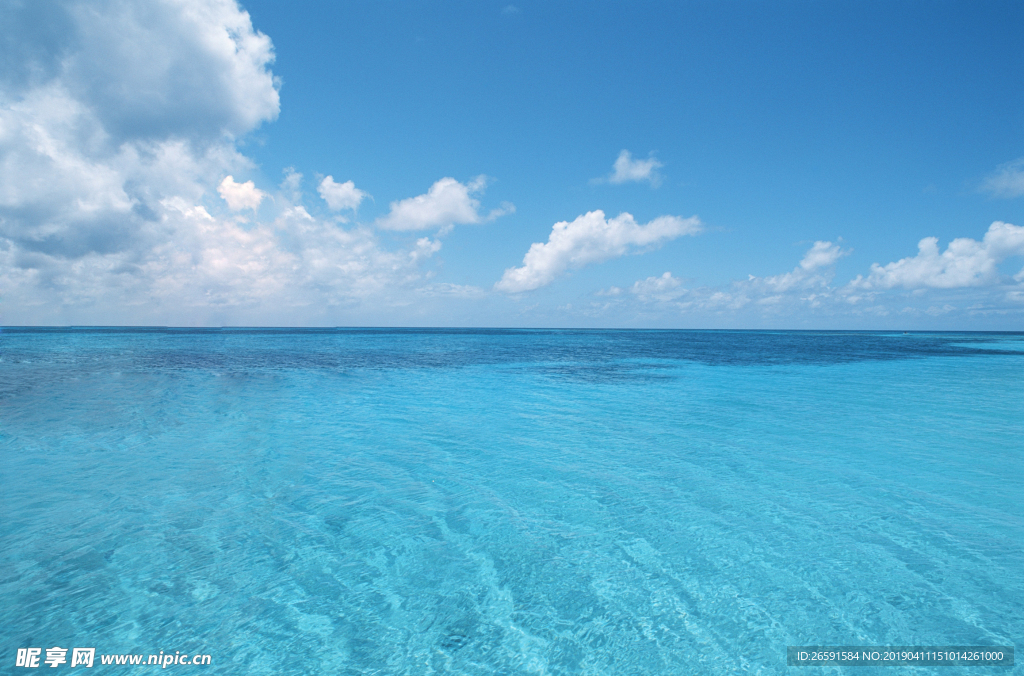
x=452 y=290
x=425 y=248
x=590 y=238
x=965 y=262
x=447 y=203
x=822 y=254
x=207 y=269
x=183 y=68
x=179 y=67
x=806 y=295
x=807 y=285
x=808 y=274
x=240 y=195
x=662 y=288
x=626 y=170
x=118 y=126
x=1007 y=180
x=115 y=105
x=341 y=195
x=291 y=186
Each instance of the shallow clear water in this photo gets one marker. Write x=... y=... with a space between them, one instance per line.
x=509 y=502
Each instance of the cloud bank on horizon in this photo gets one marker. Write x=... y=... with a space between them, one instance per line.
x=127 y=198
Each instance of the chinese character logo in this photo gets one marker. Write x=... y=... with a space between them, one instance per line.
x=56 y=655
x=82 y=657
x=28 y=657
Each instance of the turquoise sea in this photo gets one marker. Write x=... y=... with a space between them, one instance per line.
x=355 y=501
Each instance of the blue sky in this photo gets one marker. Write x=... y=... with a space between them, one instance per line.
x=779 y=164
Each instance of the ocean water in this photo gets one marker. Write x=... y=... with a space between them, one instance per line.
x=508 y=502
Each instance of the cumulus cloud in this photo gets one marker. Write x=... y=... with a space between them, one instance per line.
x=808 y=285
x=966 y=262
x=291 y=186
x=118 y=128
x=628 y=170
x=590 y=238
x=1007 y=180
x=447 y=203
x=341 y=195
x=240 y=195
x=811 y=272
x=662 y=288
x=184 y=67
x=425 y=248
x=807 y=294
x=822 y=254
x=209 y=269
x=109 y=107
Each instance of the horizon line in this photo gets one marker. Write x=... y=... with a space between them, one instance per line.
x=158 y=327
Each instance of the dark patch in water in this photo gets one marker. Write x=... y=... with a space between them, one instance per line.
x=454 y=641
x=34 y=355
